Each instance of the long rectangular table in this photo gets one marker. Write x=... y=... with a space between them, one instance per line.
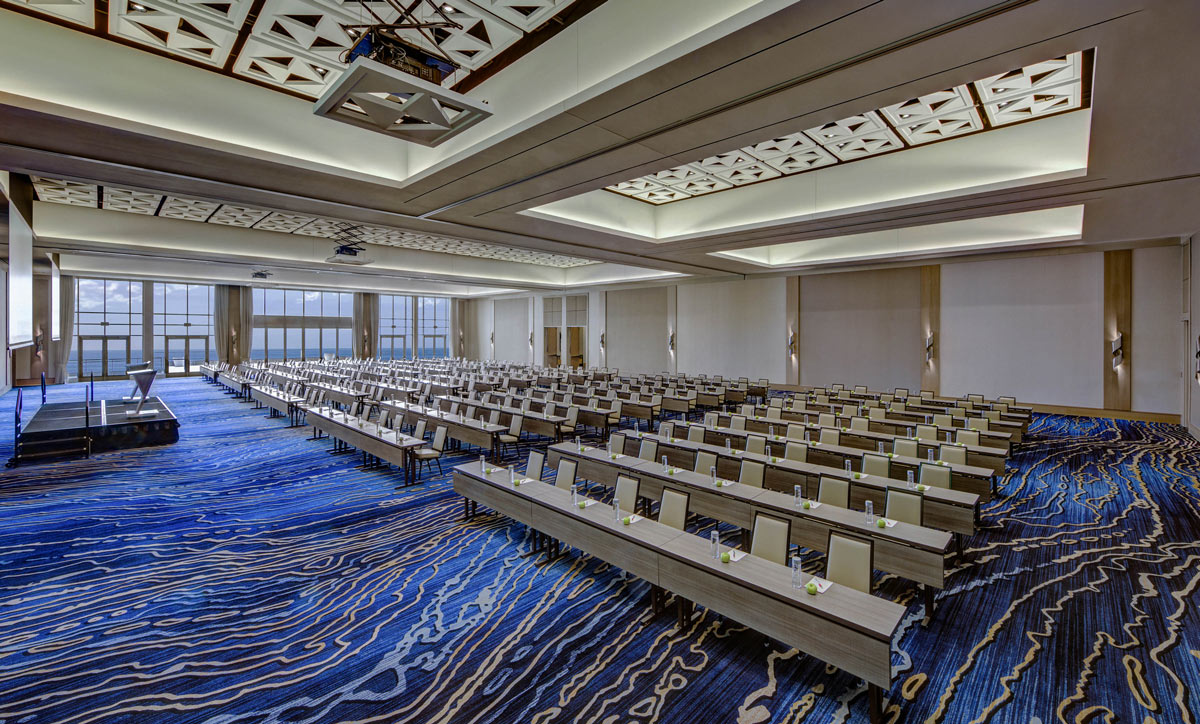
x=458 y=427
x=846 y=628
x=369 y=437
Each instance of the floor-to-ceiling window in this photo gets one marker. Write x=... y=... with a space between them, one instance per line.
x=395 y=326
x=108 y=327
x=183 y=327
x=301 y=324
x=433 y=326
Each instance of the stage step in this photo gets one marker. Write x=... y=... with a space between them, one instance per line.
x=58 y=447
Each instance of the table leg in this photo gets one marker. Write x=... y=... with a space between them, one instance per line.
x=874 y=703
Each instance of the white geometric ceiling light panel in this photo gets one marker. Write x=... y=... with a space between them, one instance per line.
x=74 y=193
x=1035 y=91
x=383 y=99
x=80 y=12
x=130 y=201
x=198 y=31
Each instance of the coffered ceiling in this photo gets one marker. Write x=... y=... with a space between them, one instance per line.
x=297 y=45
x=1023 y=94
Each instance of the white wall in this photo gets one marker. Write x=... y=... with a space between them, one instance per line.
x=735 y=329
x=480 y=325
x=1157 y=330
x=636 y=327
x=1032 y=328
x=861 y=328
x=512 y=329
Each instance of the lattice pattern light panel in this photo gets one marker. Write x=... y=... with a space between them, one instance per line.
x=1035 y=91
x=76 y=193
x=80 y=12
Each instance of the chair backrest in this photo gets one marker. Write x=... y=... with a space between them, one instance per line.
x=837 y=387
x=795 y=431
x=771 y=538
x=905 y=447
x=859 y=423
x=537 y=461
x=439 y=438
x=648 y=450
x=1011 y=401
x=860 y=389
x=953 y=454
x=977 y=399
x=696 y=433
x=943 y=420
x=958 y=413
x=967 y=437
x=710 y=419
x=617 y=442
x=494 y=417
x=876 y=413
x=737 y=422
x=776 y=402
x=800 y=405
x=1001 y=407
x=419 y=430
x=926 y=432
x=774 y=413
x=833 y=491
x=886 y=397
x=849 y=410
x=979 y=422
x=751 y=474
x=564 y=477
x=880 y=465
x=992 y=415
x=627 y=492
x=826 y=419
x=572 y=415
x=667 y=429
x=822 y=399
x=514 y=425
x=796 y=451
x=830 y=436
x=935 y=476
x=905 y=506
x=704 y=461
x=747 y=410
x=849 y=561
x=673 y=508
x=756 y=444
x=926 y=394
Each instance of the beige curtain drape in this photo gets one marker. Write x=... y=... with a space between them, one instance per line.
x=66 y=326
x=366 y=324
x=232 y=321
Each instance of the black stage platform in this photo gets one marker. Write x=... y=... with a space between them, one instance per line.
x=63 y=425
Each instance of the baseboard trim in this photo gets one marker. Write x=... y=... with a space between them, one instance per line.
x=1100 y=412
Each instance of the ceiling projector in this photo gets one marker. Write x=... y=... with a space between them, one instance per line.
x=349 y=254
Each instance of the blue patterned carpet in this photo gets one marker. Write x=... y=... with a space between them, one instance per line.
x=245 y=575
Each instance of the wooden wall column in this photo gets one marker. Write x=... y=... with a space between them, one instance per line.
x=1118 y=319
x=931 y=323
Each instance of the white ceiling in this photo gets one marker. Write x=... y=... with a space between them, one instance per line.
x=1034 y=91
x=73 y=193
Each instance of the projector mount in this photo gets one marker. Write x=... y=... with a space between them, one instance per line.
x=382 y=42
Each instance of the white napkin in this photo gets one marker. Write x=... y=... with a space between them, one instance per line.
x=736 y=555
x=888 y=522
x=822 y=584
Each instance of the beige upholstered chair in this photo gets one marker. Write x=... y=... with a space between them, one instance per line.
x=830 y=436
x=776 y=402
x=648 y=450
x=860 y=423
x=1002 y=407
x=710 y=419
x=747 y=410
x=704 y=461
x=673 y=509
x=433 y=453
x=513 y=436
x=904 y=506
x=953 y=454
x=935 y=476
x=419 y=429
x=834 y=491
x=756 y=444
x=774 y=413
x=877 y=413
x=737 y=422
x=958 y=413
x=1010 y=401
x=901 y=393
x=978 y=422
x=967 y=437
x=886 y=398
x=617 y=442
x=751 y=474
x=977 y=399
x=849 y=410
x=667 y=429
x=799 y=405
x=696 y=433
x=992 y=415
x=627 y=493
x=796 y=451
x=564 y=477
x=494 y=417
x=880 y=465
x=860 y=389
x=827 y=419
x=838 y=387
x=927 y=432
x=898 y=407
x=943 y=420
x=795 y=431
x=926 y=394
x=849 y=561
x=537 y=461
x=822 y=399
x=771 y=538
x=572 y=424
x=906 y=448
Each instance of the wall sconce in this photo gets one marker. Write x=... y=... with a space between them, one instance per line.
x=492 y=338
x=1118 y=351
x=671 y=342
x=929 y=347
x=602 y=340
x=791 y=343
x=531 y=339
